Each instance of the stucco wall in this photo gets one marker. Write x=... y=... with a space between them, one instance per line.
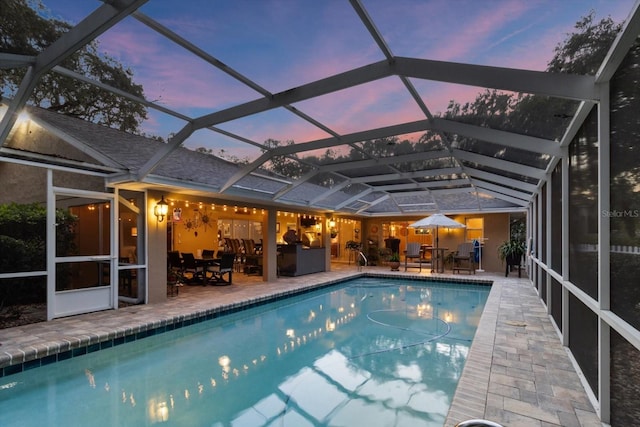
x=157 y=254
x=28 y=184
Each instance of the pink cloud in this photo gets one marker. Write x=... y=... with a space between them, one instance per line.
x=170 y=75
x=475 y=35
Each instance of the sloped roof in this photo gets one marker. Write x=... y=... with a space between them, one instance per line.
x=183 y=167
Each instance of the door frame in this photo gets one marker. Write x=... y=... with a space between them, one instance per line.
x=78 y=301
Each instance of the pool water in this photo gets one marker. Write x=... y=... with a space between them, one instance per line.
x=368 y=352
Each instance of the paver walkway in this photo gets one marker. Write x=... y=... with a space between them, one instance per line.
x=517 y=372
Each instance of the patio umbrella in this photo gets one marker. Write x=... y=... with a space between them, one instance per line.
x=436 y=221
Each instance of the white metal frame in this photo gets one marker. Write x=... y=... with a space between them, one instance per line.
x=67 y=303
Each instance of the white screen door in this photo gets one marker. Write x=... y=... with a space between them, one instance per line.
x=84 y=269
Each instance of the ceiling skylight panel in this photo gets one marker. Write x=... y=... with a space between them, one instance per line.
x=222 y=145
x=511 y=154
x=535 y=115
x=426 y=164
x=500 y=172
x=288 y=167
x=372 y=171
x=323 y=151
x=254 y=183
x=496 y=203
x=456 y=201
x=326 y=180
x=387 y=206
x=395 y=145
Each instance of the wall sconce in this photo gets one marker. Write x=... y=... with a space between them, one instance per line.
x=332 y=223
x=161 y=209
x=134 y=231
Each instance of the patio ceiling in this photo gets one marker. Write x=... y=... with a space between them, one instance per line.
x=465 y=168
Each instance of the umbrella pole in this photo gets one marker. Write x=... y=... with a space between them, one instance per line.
x=434 y=254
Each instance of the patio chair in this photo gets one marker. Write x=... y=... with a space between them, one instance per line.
x=413 y=252
x=125 y=277
x=174 y=260
x=190 y=266
x=252 y=261
x=208 y=253
x=234 y=246
x=219 y=270
x=464 y=259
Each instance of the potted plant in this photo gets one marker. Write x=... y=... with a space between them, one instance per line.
x=512 y=251
x=394 y=261
x=352 y=245
x=175 y=279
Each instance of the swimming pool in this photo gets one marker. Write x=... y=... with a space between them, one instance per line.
x=371 y=351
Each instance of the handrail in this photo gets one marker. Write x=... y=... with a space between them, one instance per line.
x=477 y=423
x=366 y=262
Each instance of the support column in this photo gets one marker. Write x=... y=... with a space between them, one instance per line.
x=270 y=247
x=604 y=256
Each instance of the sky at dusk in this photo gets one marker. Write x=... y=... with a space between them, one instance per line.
x=283 y=44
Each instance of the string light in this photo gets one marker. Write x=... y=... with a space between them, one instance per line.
x=245 y=209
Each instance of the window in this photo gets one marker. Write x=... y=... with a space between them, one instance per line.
x=475 y=228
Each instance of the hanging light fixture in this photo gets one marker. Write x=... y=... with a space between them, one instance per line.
x=161 y=209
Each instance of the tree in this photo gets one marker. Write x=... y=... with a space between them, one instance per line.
x=223 y=154
x=284 y=165
x=25 y=29
x=582 y=51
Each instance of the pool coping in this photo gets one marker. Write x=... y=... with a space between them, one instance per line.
x=42 y=354
x=470 y=398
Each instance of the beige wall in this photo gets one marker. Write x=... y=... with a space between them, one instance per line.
x=187 y=237
x=15 y=178
x=157 y=254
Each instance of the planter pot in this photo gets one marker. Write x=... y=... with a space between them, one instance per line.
x=513 y=260
x=395 y=265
